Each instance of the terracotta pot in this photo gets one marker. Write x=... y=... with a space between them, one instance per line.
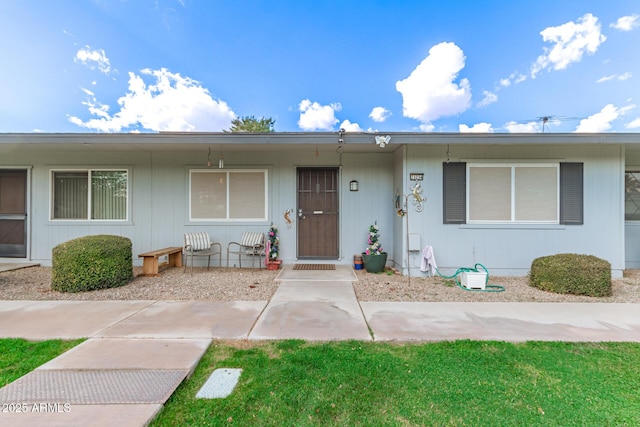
x=273 y=265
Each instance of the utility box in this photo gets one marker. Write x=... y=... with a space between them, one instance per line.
x=473 y=280
x=414 y=243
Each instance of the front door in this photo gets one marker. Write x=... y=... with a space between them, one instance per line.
x=317 y=213
x=13 y=213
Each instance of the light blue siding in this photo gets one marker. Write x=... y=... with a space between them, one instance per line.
x=159 y=198
x=159 y=188
x=509 y=249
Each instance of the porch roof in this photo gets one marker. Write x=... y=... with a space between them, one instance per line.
x=282 y=141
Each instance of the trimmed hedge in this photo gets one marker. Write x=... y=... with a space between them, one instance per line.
x=572 y=274
x=90 y=263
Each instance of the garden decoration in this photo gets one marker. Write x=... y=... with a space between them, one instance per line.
x=374 y=257
x=273 y=243
x=418 y=198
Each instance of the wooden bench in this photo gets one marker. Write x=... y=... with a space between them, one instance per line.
x=150 y=260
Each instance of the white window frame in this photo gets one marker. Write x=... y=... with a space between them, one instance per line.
x=88 y=171
x=513 y=167
x=228 y=208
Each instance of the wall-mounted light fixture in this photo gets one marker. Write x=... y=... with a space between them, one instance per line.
x=220 y=160
x=354 y=185
x=209 y=158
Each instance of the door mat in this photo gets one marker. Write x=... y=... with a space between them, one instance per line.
x=314 y=267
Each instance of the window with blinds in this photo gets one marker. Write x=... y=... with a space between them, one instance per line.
x=513 y=193
x=228 y=195
x=89 y=195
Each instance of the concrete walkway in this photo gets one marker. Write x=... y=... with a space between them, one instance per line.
x=138 y=352
x=8 y=266
x=313 y=305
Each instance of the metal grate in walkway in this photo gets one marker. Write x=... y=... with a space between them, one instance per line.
x=93 y=387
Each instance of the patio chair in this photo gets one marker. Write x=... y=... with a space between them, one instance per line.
x=199 y=244
x=251 y=244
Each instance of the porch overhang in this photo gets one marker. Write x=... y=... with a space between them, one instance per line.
x=353 y=142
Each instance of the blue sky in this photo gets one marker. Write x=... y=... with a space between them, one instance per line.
x=388 y=66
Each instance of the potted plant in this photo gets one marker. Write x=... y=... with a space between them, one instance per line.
x=273 y=263
x=374 y=257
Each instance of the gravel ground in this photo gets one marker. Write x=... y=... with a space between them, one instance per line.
x=381 y=287
x=222 y=284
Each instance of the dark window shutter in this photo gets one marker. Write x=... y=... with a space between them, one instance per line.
x=571 y=194
x=454 y=193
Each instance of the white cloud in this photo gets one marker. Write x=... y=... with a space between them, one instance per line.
x=350 y=127
x=601 y=121
x=620 y=77
x=477 y=128
x=95 y=108
x=379 y=114
x=314 y=116
x=489 y=98
x=606 y=78
x=515 y=127
x=634 y=124
x=172 y=103
x=625 y=76
x=430 y=91
x=570 y=41
x=94 y=59
x=626 y=23
x=515 y=77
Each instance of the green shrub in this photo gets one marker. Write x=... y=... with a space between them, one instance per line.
x=572 y=274
x=91 y=262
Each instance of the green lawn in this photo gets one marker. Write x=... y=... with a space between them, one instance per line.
x=19 y=357
x=461 y=383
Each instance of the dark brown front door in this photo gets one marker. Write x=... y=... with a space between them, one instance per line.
x=318 y=213
x=13 y=213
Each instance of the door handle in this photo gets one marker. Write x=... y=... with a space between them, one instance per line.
x=13 y=217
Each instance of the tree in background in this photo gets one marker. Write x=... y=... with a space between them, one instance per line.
x=251 y=124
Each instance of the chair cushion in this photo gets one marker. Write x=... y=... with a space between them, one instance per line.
x=198 y=241
x=252 y=239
